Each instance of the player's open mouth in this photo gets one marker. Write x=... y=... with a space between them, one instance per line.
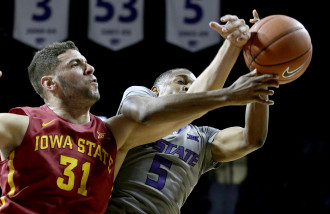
x=94 y=82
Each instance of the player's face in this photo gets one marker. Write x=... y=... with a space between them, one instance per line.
x=76 y=77
x=178 y=82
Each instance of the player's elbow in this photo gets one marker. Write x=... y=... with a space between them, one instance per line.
x=256 y=141
x=254 y=145
x=135 y=110
x=199 y=115
x=259 y=143
x=137 y=114
x=141 y=110
x=144 y=118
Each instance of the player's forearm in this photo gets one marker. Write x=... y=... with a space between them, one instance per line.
x=177 y=107
x=256 y=123
x=215 y=75
x=173 y=107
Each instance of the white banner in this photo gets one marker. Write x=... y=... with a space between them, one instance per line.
x=116 y=24
x=187 y=23
x=40 y=22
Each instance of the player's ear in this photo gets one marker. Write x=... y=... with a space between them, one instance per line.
x=155 y=89
x=48 y=83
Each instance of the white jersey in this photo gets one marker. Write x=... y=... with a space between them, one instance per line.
x=158 y=177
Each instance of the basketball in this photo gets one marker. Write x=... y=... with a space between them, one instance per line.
x=280 y=45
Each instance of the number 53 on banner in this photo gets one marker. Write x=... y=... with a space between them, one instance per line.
x=116 y=24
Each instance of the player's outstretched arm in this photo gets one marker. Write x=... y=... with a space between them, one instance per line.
x=12 y=131
x=236 y=34
x=177 y=110
x=235 y=142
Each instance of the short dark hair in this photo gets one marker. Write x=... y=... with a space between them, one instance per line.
x=45 y=61
x=159 y=80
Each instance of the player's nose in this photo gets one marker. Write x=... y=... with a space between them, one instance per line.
x=186 y=87
x=89 y=69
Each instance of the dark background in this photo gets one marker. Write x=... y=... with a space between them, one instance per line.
x=287 y=175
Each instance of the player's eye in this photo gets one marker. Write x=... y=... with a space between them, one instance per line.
x=75 y=64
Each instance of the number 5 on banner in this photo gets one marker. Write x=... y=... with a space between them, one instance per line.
x=187 y=23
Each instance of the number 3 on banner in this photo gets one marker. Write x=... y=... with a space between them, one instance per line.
x=40 y=22
x=44 y=6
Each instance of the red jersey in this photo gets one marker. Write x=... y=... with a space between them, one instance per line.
x=60 y=167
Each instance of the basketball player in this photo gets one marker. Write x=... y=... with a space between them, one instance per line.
x=158 y=177
x=60 y=158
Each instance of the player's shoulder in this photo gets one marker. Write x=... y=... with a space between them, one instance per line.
x=13 y=118
x=139 y=91
x=38 y=112
x=206 y=130
x=136 y=87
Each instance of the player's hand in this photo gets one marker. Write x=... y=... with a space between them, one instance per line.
x=255 y=17
x=0 y=73
x=235 y=30
x=253 y=87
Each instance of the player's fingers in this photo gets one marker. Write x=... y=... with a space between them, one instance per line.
x=252 y=73
x=265 y=101
x=227 y=18
x=255 y=17
x=273 y=83
x=239 y=23
x=263 y=87
x=216 y=26
x=0 y=73
x=244 y=36
x=244 y=28
x=263 y=81
x=240 y=31
x=268 y=80
x=262 y=98
x=266 y=77
x=265 y=92
x=255 y=14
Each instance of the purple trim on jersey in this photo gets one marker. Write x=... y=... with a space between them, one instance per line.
x=180 y=130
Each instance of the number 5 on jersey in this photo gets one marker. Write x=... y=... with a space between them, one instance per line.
x=162 y=173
